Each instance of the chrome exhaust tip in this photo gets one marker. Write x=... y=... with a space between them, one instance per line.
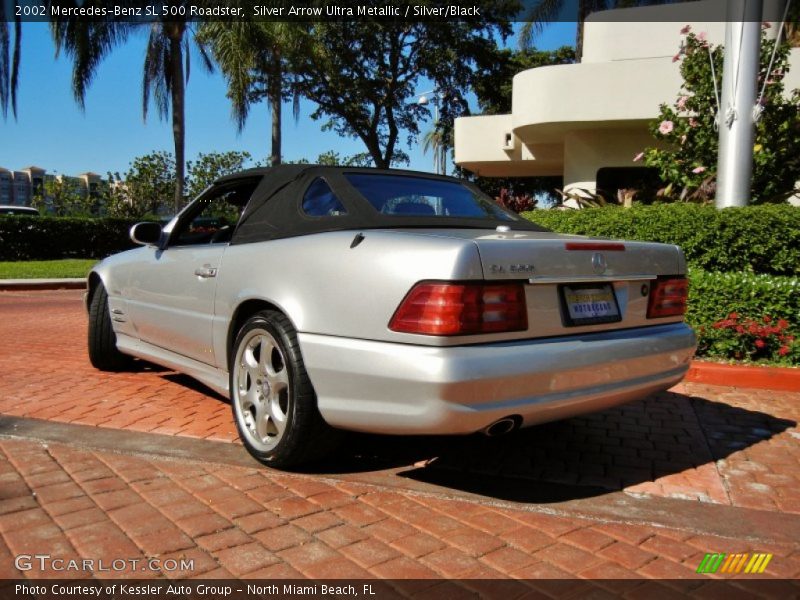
x=501 y=427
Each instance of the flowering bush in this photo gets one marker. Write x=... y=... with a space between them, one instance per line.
x=687 y=158
x=741 y=316
x=515 y=202
x=742 y=338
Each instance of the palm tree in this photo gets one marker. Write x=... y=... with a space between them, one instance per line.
x=9 y=64
x=166 y=68
x=547 y=11
x=252 y=56
x=436 y=141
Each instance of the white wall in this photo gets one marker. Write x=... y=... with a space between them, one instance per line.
x=585 y=116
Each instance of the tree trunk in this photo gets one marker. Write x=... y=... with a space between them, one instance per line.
x=275 y=102
x=579 y=42
x=178 y=107
x=374 y=148
x=585 y=8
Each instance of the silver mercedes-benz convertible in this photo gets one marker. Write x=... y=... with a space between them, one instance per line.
x=328 y=298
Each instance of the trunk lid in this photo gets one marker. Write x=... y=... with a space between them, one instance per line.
x=566 y=274
x=559 y=258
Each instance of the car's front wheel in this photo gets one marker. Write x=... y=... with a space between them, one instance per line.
x=273 y=401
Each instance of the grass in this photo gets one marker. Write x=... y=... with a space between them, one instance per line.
x=46 y=269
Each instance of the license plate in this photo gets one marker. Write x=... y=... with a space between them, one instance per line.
x=590 y=304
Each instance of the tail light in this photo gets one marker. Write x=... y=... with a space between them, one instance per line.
x=668 y=297
x=433 y=308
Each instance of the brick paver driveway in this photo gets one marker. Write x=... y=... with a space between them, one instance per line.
x=640 y=491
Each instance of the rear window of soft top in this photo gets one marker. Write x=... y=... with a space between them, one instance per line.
x=421 y=197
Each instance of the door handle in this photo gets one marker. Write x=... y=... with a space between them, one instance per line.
x=206 y=272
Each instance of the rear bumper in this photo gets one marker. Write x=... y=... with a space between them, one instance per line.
x=405 y=389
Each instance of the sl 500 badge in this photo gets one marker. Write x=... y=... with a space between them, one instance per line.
x=521 y=268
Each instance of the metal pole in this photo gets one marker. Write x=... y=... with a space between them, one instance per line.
x=438 y=150
x=739 y=88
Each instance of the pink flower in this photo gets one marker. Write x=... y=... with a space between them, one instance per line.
x=677 y=57
x=638 y=157
x=698 y=170
x=693 y=122
x=682 y=102
x=666 y=127
x=702 y=36
x=686 y=29
x=765 y=25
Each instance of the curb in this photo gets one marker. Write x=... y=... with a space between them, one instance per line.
x=24 y=285
x=747 y=376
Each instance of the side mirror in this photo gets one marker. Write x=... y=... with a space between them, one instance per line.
x=146 y=233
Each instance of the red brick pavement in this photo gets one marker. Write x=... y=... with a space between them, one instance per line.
x=721 y=445
x=253 y=522
x=47 y=375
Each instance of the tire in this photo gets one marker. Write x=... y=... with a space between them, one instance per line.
x=103 y=353
x=273 y=402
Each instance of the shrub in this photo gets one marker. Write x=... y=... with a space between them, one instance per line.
x=757 y=239
x=687 y=159
x=46 y=238
x=744 y=316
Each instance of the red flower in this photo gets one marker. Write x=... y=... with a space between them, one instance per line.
x=783 y=323
x=739 y=329
x=733 y=316
x=760 y=343
x=783 y=350
x=767 y=319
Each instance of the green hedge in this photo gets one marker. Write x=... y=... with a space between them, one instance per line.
x=714 y=296
x=48 y=238
x=757 y=239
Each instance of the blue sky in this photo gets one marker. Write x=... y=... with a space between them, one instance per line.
x=52 y=132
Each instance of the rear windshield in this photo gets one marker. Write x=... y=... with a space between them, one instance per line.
x=421 y=197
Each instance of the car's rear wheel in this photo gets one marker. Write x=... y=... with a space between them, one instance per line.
x=273 y=401
x=103 y=353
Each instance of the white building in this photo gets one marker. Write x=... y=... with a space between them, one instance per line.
x=574 y=120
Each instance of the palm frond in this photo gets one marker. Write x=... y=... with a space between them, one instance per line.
x=188 y=63
x=9 y=61
x=157 y=79
x=234 y=46
x=15 y=64
x=87 y=44
x=539 y=15
x=5 y=66
x=207 y=61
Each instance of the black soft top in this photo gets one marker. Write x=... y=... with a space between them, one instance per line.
x=275 y=208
